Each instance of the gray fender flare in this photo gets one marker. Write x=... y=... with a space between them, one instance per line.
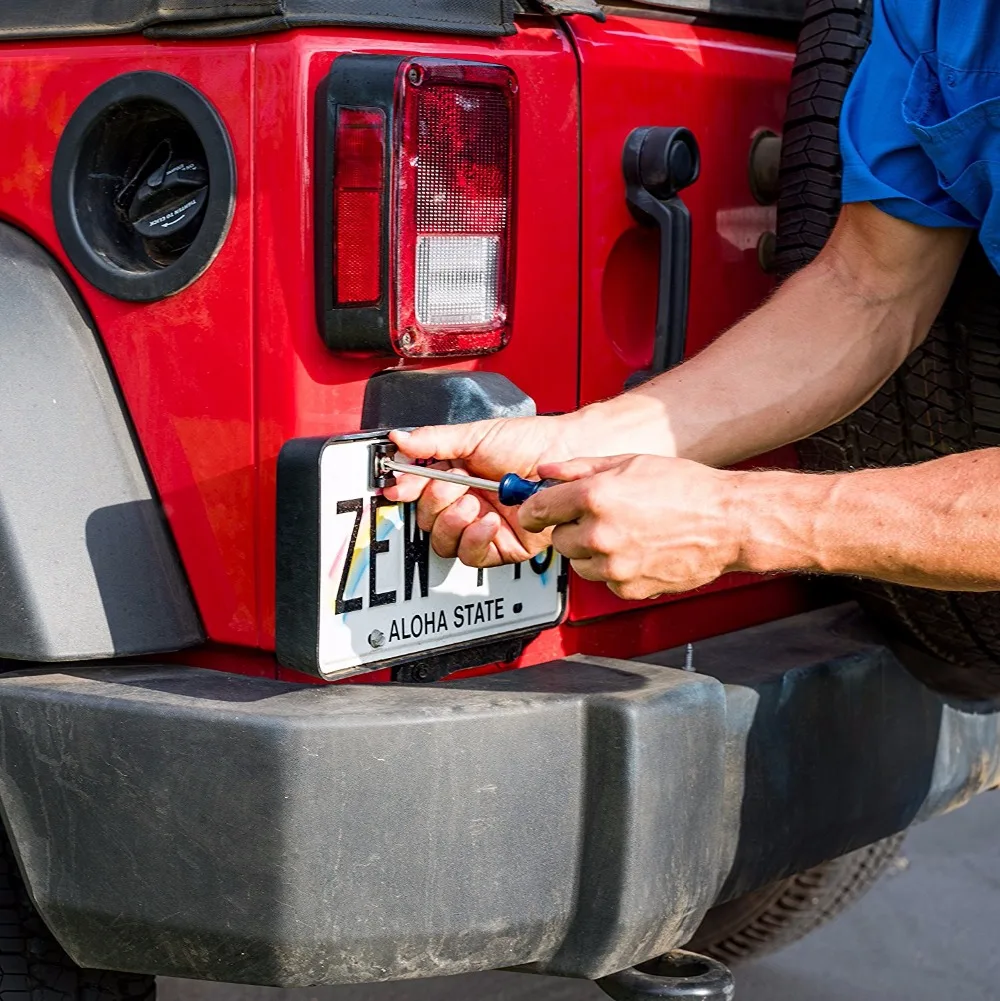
x=88 y=567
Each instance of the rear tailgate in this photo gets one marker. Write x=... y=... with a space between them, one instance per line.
x=726 y=87
x=583 y=283
x=306 y=389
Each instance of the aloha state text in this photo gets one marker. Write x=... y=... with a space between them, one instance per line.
x=434 y=623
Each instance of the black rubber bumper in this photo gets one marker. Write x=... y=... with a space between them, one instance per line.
x=578 y=817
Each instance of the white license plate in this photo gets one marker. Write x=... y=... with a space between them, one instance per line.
x=386 y=596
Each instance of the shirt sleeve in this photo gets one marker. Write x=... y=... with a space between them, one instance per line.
x=883 y=161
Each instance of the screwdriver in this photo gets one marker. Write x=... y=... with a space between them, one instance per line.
x=511 y=489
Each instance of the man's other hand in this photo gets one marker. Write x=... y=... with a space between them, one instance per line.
x=644 y=525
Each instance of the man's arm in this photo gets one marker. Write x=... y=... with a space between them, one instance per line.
x=934 y=525
x=817 y=350
x=648 y=525
x=827 y=339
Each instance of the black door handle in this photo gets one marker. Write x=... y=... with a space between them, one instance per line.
x=658 y=163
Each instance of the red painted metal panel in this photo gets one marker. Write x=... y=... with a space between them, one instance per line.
x=219 y=376
x=725 y=86
x=305 y=389
x=184 y=364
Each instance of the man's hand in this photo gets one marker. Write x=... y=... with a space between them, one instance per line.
x=648 y=526
x=473 y=526
x=644 y=525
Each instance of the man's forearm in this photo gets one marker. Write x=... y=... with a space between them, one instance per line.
x=932 y=525
x=815 y=352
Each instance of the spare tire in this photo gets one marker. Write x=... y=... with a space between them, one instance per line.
x=768 y=919
x=35 y=967
x=946 y=396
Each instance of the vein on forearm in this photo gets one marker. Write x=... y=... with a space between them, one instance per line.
x=931 y=525
x=823 y=344
x=811 y=355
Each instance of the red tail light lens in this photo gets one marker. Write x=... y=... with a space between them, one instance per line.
x=415 y=205
x=454 y=205
x=358 y=182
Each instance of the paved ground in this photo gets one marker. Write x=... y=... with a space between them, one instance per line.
x=927 y=932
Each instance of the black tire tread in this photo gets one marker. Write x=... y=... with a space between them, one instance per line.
x=784 y=912
x=34 y=967
x=946 y=396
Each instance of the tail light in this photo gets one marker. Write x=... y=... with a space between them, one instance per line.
x=358 y=186
x=415 y=198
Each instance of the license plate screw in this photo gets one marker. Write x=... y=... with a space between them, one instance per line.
x=380 y=478
x=376 y=638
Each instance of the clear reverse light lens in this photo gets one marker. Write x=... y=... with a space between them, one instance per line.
x=457 y=280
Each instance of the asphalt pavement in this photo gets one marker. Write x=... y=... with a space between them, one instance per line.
x=928 y=931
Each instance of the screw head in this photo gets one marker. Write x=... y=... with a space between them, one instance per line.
x=512 y=85
x=376 y=638
x=415 y=76
x=407 y=339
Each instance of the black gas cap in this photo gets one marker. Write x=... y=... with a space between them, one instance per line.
x=168 y=196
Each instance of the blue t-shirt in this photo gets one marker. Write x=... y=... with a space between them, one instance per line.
x=920 y=126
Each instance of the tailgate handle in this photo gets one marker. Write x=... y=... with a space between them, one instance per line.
x=658 y=163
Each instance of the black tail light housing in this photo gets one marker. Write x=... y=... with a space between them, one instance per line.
x=415 y=200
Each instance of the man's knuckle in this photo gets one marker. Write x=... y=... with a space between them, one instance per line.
x=613 y=570
x=619 y=568
x=600 y=538
x=595 y=496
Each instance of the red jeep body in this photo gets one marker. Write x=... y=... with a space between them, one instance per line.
x=580 y=815
x=236 y=367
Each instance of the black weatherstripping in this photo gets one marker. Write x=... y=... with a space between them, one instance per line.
x=107 y=155
x=577 y=817
x=658 y=164
x=227 y=18
x=744 y=15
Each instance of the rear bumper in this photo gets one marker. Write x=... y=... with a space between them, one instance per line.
x=579 y=817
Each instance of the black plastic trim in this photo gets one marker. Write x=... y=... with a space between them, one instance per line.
x=297 y=558
x=400 y=398
x=575 y=818
x=658 y=163
x=88 y=568
x=190 y=104
x=247 y=830
x=354 y=81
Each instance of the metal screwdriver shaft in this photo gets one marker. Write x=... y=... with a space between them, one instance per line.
x=511 y=489
x=441 y=474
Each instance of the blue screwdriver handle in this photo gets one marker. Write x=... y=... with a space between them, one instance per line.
x=514 y=489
